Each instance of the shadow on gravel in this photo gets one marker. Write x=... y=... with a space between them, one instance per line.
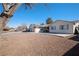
x=75 y=38
x=73 y=51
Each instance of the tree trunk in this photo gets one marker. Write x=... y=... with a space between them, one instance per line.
x=2 y=25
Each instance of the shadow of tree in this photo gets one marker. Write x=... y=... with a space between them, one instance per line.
x=73 y=51
x=75 y=38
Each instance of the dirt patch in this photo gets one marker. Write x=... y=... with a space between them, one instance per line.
x=33 y=44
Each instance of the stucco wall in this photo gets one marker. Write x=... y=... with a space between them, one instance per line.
x=58 y=30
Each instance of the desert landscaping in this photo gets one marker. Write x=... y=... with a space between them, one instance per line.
x=35 y=44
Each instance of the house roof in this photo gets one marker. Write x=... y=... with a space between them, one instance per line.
x=68 y=21
x=46 y=25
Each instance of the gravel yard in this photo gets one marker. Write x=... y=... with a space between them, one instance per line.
x=35 y=44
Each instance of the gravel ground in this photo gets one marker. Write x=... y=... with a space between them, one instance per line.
x=34 y=44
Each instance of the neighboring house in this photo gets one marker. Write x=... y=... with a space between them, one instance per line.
x=61 y=26
x=41 y=28
x=37 y=28
x=32 y=27
x=21 y=28
x=12 y=29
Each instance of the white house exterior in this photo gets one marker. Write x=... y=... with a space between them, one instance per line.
x=61 y=26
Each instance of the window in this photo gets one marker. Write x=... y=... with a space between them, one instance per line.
x=53 y=28
x=64 y=27
x=61 y=27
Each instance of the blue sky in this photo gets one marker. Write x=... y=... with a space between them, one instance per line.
x=39 y=13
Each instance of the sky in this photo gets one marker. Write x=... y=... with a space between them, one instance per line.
x=40 y=12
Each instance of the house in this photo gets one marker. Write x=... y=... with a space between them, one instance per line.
x=41 y=28
x=37 y=28
x=11 y=29
x=61 y=26
x=21 y=28
x=32 y=27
